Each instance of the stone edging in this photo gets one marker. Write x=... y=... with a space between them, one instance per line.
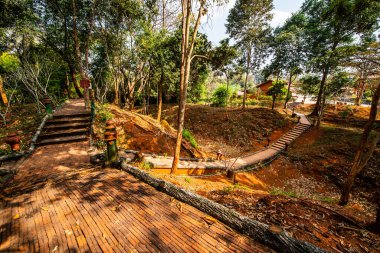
x=278 y=240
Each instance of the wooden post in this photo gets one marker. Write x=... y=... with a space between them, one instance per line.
x=48 y=106
x=110 y=138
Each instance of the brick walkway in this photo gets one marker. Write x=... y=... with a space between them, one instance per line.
x=58 y=203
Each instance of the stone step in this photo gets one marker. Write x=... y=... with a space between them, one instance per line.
x=294 y=135
x=66 y=126
x=66 y=139
x=78 y=115
x=283 y=141
x=68 y=120
x=62 y=133
x=298 y=130
x=276 y=148
x=302 y=126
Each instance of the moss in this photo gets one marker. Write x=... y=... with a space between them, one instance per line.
x=190 y=138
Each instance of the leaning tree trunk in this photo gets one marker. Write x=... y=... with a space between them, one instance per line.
x=75 y=83
x=246 y=77
x=76 y=39
x=318 y=105
x=365 y=149
x=159 y=95
x=186 y=57
x=287 y=93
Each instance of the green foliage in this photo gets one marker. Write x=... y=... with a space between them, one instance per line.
x=221 y=95
x=103 y=113
x=339 y=83
x=309 y=84
x=231 y=188
x=8 y=63
x=281 y=192
x=248 y=24
x=187 y=180
x=264 y=97
x=145 y=166
x=190 y=138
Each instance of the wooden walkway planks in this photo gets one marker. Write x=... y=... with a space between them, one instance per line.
x=58 y=203
x=110 y=211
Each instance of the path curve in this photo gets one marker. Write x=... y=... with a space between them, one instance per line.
x=239 y=163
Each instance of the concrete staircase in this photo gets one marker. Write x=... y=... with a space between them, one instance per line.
x=65 y=128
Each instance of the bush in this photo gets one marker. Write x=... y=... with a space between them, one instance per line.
x=264 y=97
x=344 y=114
x=219 y=96
x=190 y=138
x=103 y=113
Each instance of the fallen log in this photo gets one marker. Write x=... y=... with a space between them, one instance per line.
x=272 y=236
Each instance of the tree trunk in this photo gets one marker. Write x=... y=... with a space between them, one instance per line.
x=287 y=93
x=116 y=100
x=228 y=84
x=364 y=151
x=322 y=107
x=76 y=39
x=3 y=95
x=186 y=57
x=317 y=107
x=273 y=101
x=68 y=86
x=75 y=83
x=159 y=96
x=359 y=94
x=246 y=77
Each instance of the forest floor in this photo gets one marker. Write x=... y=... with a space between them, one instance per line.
x=230 y=130
x=300 y=190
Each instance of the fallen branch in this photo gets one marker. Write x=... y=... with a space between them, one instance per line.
x=277 y=239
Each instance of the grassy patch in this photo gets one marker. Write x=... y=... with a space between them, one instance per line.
x=328 y=200
x=281 y=192
x=103 y=114
x=190 y=138
x=145 y=166
x=187 y=180
x=231 y=188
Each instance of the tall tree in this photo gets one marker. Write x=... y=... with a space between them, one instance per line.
x=288 y=51
x=366 y=144
x=187 y=45
x=329 y=25
x=248 y=24
x=223 y=60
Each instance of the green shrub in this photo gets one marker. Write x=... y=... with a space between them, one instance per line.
x=220 y=96
x=190 y=138
x=252 y=102
x=344 y=114
x=264 y=97
x=103 y=113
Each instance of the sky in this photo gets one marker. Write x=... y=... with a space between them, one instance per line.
x=215 y=28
